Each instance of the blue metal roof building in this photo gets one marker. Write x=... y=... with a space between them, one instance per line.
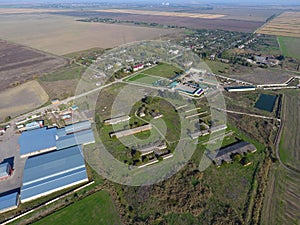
x=37 y=141
x=9 y=201
x=73 y=128
x=79 y=138
x=47 y=173
x=43 y=140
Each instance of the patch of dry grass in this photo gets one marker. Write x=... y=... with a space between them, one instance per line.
x=21 y=99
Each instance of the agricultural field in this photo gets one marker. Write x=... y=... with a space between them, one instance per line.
x=290 y=46
x=96 y=207
x=286 y=24
x=19 y=64
x=21 y=99
x=194 y=23
x=161 y=13
x=63 y=34
x=281 y=203
x=290 y=139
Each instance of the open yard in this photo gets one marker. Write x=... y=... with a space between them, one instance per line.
x=97 y=207
x=286 y=24
x=261 y=76
x=290 y=46
x=290 y=139
x=62 y=34
x=19 y=63
x=22 y=99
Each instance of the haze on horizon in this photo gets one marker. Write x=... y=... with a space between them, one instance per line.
x=238 y=2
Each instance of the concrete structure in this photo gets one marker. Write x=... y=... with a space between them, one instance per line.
x=5 y=170
x=224 y=154
x=47 y=173
x=214 y=129
x=240 y=88
x=146 y=150
x=117 y=120
x=136 y=130
x=9 y=201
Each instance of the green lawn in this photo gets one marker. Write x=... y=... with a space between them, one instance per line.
x=290 y=46
x=217 y=67
x=94 y=209
x=142 y=78
x=163 y=70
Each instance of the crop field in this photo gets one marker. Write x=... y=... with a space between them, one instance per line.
x=62 y=34
x=19 y=63
x=290 y=140
x=286 y=24
x=290 y=46
x=281 y=203
x=21 y=99
x=97 y=207
x=195 y=23
x=161 y=13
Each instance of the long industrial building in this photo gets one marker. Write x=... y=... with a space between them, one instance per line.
x=45 y=139
x=9 y=201
x=53 y=171
x=224 y=154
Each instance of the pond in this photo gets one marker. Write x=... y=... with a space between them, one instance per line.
x=266 y=102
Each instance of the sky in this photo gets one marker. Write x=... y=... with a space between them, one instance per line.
x=252 y=2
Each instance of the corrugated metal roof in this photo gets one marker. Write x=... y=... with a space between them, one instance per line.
x=53 y=170
x=84 y=125
x=79 y=138
x=36 y=140
x=9 y=200
x=3 y=169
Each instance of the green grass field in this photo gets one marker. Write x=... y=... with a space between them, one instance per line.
x=163 y=70
x=143 y=79
x=290 y=139
x=290 y=46
x=217 y=67
x=97 y=208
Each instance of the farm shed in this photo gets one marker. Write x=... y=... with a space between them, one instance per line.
x=47 y=173
x=136 y=130
x=224 y=154
x=240 y=88
x=8 y=201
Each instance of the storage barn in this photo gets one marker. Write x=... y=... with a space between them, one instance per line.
x=53 y=171
x=8 y=201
